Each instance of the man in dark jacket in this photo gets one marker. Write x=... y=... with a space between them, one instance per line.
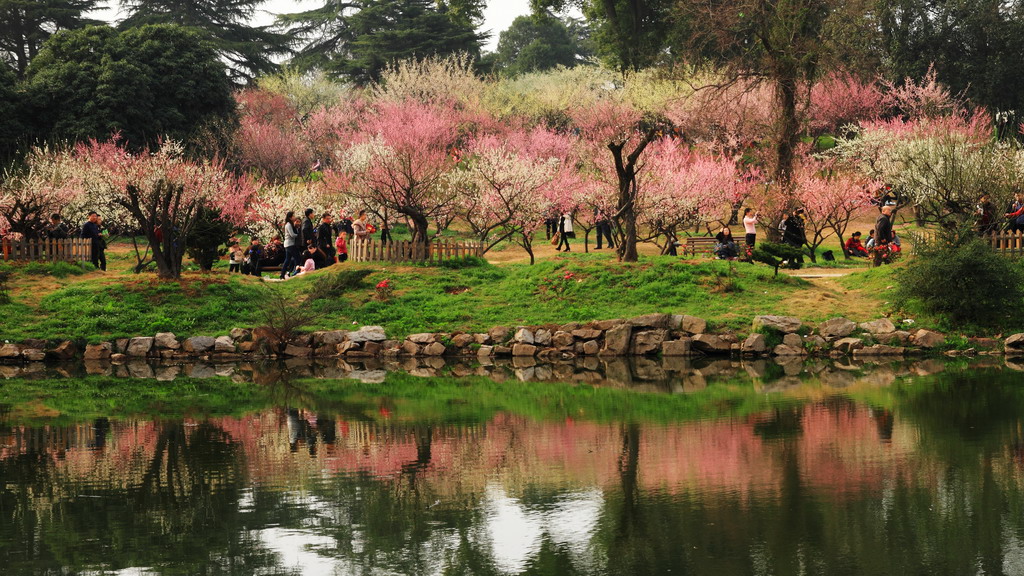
x=883 y=235
x=325 y=238
x=91 y=230
x=308 y=231
x=793 y=233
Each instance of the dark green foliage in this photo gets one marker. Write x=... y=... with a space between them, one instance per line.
x=11 y=127
x=628 y=34
x=5 y=278
x=335 y=284
x=26 y=24
x=541 y=42
x=206 y=237
x=147 y=83
x=959 y=277
x=776 y=255
x=358 y=40
x=467 y=262
x=223 y=24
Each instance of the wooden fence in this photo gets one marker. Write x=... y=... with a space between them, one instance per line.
x=47 y=250
x=1006 y=242
x=408 y=251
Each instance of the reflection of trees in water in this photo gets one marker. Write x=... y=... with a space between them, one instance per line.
x=177 y=506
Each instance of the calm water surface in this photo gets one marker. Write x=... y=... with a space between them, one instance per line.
x=886 y=473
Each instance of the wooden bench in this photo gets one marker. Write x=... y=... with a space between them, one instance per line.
x=704 y=245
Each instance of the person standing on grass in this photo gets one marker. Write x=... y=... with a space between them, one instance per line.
x=604 y=229
x=883 y=235
x=565 y=232
x=291 y=244
x=359 y=229
x=308 y=230
x=92 y=230
x=750 y=227
x=57 y=229
x=794 y=234
x=325 y=238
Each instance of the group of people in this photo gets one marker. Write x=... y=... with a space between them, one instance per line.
x=726 y=247
x=559 y=230
x=307 y=245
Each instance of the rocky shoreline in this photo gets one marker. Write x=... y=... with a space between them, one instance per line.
x=663 y=335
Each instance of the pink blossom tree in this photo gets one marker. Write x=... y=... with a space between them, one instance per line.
x=270 y=141
x=401 y=164
x=830 y=198
x=841 y=98
x=159 y=193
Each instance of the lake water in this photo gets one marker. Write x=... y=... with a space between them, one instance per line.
x=624 y=469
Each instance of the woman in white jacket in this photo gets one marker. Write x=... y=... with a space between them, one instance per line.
x=565 y=232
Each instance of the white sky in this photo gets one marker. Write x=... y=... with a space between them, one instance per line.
x=498 y=15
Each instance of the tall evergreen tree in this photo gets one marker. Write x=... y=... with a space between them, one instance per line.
x=147 y=83
x=224 y=24
x=26 y=24
x=541 y=42
x=358 y=39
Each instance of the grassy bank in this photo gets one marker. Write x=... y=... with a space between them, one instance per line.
x=94 y=306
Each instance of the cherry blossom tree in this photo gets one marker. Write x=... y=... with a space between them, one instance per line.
x=841 y=98
x=159 y=193
x=402 y=163
x=830 y=198
x=269 y=140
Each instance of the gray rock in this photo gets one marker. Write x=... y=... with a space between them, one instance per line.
x=498 y=334
x=616 y=340
x=199 y=344
x=542 y=337
x=368 y=334
x=485 y=351
x=434 y=349
x=66 y=350
x=754 y=344
x=224 y=344
x=410 y=348
x=121 y=345
x=675 y=322
x=166 y=341
x=651 y=321
x=101 y=351
x=139 y=347
x=422 y=338
x=240 y=334
x=894 y=338
x=879 y=350
x=880 y=326
x=373 y=348
x=562 y=339
x=848 y=345
x=793 y=341
x=118 y=358
x=711 y=344
x=1014 y=342
x=787 y=350
x=298 y=351
x=502 y=351
x=591 y=348
x=606 y=324
x=482 y=338
x=783 y=324
x=587 y=333
x=693 y=325
x=36 y=343
x=836 y=328
x=679 y=347
x=815 y=342
x=327 y=338
x=523 y=336
x=10 y=351
x=523 y=349
x=462 y=340
x=33 y=354
x=647 y=341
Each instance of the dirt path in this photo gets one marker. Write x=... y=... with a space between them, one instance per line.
x=828 y=297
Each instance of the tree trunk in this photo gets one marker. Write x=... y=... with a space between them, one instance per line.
x=786 y=87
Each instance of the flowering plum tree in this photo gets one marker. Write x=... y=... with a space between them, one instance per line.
x=839 y=99
x=401 y=166
x=46 y=185
x=159 y=193
x=830 y=198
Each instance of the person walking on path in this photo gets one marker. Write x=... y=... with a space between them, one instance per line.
x=604 y=230
x=94 y=232
x=565 y=232
x=883 y=235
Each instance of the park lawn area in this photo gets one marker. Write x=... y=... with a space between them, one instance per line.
x=471 y=296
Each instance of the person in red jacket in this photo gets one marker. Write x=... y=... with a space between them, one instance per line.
x=854 y=246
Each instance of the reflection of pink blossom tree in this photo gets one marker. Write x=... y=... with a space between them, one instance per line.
x=159 y=193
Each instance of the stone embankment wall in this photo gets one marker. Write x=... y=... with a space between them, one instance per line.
x=663 y=335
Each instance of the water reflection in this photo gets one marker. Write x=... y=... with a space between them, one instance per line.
x=924 y=476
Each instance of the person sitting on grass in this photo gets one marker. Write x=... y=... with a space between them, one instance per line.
x=306 y=268
x=854 y=246
x=725 y=247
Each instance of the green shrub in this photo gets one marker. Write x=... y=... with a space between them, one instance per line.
x=959 y=277
x=776 y=255
x=335 y=284
x=55 y=269
x=461 y=263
